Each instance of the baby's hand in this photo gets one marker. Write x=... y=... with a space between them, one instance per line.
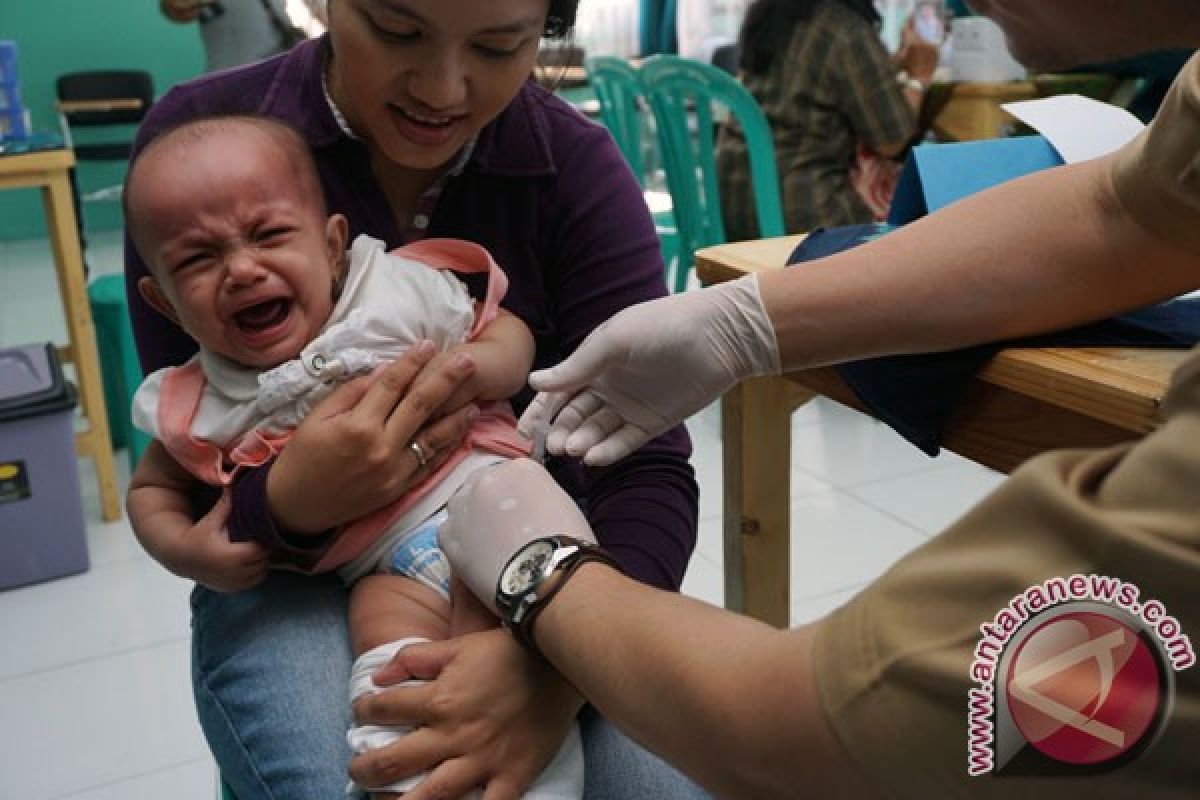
x=205 y=554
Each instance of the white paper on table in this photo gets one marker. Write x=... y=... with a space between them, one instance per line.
x=1078 y=127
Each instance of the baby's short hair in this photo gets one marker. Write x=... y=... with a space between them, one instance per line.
x=195 y=130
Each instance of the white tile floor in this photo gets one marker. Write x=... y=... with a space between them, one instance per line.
x=94 y=695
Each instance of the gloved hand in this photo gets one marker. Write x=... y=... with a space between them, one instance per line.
x=495 y=513
x=650 y=367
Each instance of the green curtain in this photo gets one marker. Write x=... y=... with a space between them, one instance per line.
x=657 y=22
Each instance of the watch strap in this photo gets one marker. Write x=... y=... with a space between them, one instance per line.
x=587 y=553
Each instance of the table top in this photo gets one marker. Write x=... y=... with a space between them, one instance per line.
x=1120 y=385
x=36 y=162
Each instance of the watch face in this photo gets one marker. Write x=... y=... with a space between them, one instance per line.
x=527 y=569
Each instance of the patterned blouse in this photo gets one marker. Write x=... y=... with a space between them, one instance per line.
x=833 y=90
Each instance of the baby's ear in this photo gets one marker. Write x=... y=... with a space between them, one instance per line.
x=337 y=232
x=153 y=294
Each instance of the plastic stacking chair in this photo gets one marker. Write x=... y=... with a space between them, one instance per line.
x=622 y=106
x=98 y=112
x=619 y=90
x=104 y=99
x=682 y=93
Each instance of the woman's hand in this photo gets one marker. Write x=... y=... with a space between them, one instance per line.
x=353 y=454
x=916 y=56
x=180 y=10
x=650 y=367
x=491 y=716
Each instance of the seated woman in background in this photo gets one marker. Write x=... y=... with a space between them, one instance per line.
x=829 y=89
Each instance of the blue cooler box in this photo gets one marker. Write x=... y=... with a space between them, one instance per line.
x=42 y=532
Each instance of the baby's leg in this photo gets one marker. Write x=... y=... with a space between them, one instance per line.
x=385 y=608
x=411 y=603
x=388 y=613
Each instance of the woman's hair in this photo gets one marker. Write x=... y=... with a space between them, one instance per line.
x=561 y=18
x=769 y=26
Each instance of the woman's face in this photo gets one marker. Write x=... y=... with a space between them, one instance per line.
x=418 y=78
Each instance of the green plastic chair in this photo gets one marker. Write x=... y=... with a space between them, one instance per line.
x=622 y=100
x=682 y=93
x=619 y=90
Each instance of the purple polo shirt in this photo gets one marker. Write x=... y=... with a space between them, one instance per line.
x=548 y=194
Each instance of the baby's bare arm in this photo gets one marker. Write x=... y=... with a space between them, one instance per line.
x=161 y=514
x=503 y=355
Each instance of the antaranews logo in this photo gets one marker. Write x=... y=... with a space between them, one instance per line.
x=1074 y=675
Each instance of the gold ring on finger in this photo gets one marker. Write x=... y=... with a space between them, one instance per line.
x=424 y=455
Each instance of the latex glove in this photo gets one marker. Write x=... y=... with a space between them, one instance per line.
x=650 y=367
x=495 y=513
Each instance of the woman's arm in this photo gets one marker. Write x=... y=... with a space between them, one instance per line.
x=161 y=514
x=1046 y=251
x=729 y=700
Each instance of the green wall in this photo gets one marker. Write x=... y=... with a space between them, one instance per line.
x=57 y=36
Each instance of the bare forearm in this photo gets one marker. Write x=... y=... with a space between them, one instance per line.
x=159 y=507
x=1046 y=251
x=503 y=353
x=728 y=700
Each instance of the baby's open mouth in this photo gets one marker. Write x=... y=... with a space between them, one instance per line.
x=263 y=316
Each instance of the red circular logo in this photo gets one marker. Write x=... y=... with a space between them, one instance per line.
x=1084 y=688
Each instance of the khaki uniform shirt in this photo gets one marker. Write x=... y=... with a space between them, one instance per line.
x=894 y=665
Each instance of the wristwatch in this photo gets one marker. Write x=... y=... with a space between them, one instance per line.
x=534 y=575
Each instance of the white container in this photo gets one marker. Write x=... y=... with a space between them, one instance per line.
x=979 y=53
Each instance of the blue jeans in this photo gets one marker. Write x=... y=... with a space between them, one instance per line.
x=270 y=668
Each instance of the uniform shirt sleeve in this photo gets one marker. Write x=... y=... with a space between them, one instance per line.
x=1157 y=175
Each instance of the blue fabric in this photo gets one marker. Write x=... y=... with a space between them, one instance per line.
x=270 y=669
x=916 y=394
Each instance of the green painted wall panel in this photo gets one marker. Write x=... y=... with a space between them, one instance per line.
x=57 y=36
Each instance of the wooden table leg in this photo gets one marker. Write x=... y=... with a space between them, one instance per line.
x=757 y=452
x=94 y=441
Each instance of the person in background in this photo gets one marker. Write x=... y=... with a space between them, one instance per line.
x=237 y=32
x=873 y=700
x=838 y=107
x=424 y=121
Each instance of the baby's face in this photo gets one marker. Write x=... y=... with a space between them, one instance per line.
x=241 y=257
